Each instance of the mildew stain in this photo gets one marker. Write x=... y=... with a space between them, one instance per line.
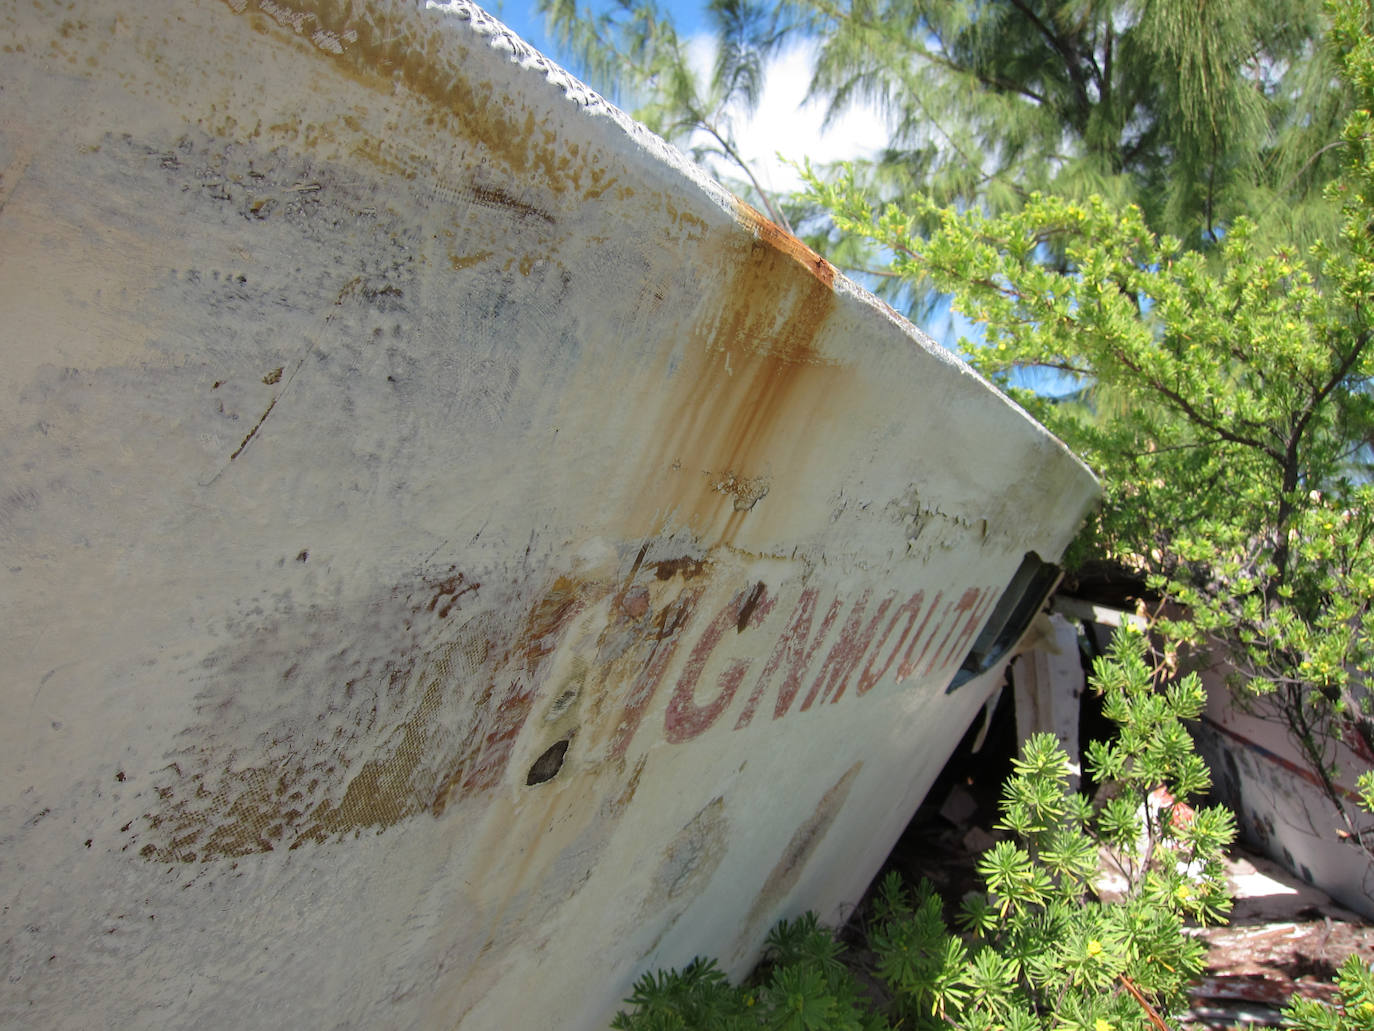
x=690 y=858
x=802 y=845
x=356 y=742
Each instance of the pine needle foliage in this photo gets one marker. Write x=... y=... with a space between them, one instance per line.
x=801 y=986
x=1353 y=1008
x=1196 y=113
x=632 y=50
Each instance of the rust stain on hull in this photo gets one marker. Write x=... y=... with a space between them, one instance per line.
x=769 y=232
x=755 y=383
x=379 y=47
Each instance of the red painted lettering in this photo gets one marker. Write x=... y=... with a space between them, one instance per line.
x=868 y=679
x=685 y=719
x=908 y=665
x=499 y=737
x=975 y=621
x=846 y=653
x=670 y=622
x=966 y=602
x=793 y=649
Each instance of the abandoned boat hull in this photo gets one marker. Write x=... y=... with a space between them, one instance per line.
x=456 y=557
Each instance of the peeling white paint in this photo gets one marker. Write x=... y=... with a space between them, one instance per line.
x=410 y=618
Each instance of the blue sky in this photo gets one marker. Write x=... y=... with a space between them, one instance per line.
x=528 y=23
x=778 y=126
x=521 y=16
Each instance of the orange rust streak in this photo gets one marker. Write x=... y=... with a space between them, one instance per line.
x=755 y=379
x=780 y=239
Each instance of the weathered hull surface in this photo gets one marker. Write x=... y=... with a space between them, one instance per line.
x=454 y=557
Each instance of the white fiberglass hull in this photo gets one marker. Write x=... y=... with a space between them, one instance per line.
x=455 y=558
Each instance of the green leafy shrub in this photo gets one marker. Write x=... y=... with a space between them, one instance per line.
x=1042 y=947
x=802 y=985
x=1353 y=1009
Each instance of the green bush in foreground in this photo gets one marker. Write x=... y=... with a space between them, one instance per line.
x=803 y=986
x=1353 y=1009
x=1039 y=948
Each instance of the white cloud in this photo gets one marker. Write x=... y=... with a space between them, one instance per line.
x=784 y=124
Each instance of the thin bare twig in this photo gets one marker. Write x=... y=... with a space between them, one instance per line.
x=1139 y=997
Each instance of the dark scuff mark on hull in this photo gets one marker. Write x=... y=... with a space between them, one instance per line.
x=803 y=844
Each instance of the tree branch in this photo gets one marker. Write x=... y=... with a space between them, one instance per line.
x=730 y=152
x=1332 y=382
x=1064 y=51
x=1006 y=85
x=1198 y=418
x=1144 y=1003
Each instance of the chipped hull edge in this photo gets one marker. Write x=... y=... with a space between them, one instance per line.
x=455 y=558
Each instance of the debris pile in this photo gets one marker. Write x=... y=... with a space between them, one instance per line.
x=1285 y=937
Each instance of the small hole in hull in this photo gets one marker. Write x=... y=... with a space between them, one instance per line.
x=546 y=767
